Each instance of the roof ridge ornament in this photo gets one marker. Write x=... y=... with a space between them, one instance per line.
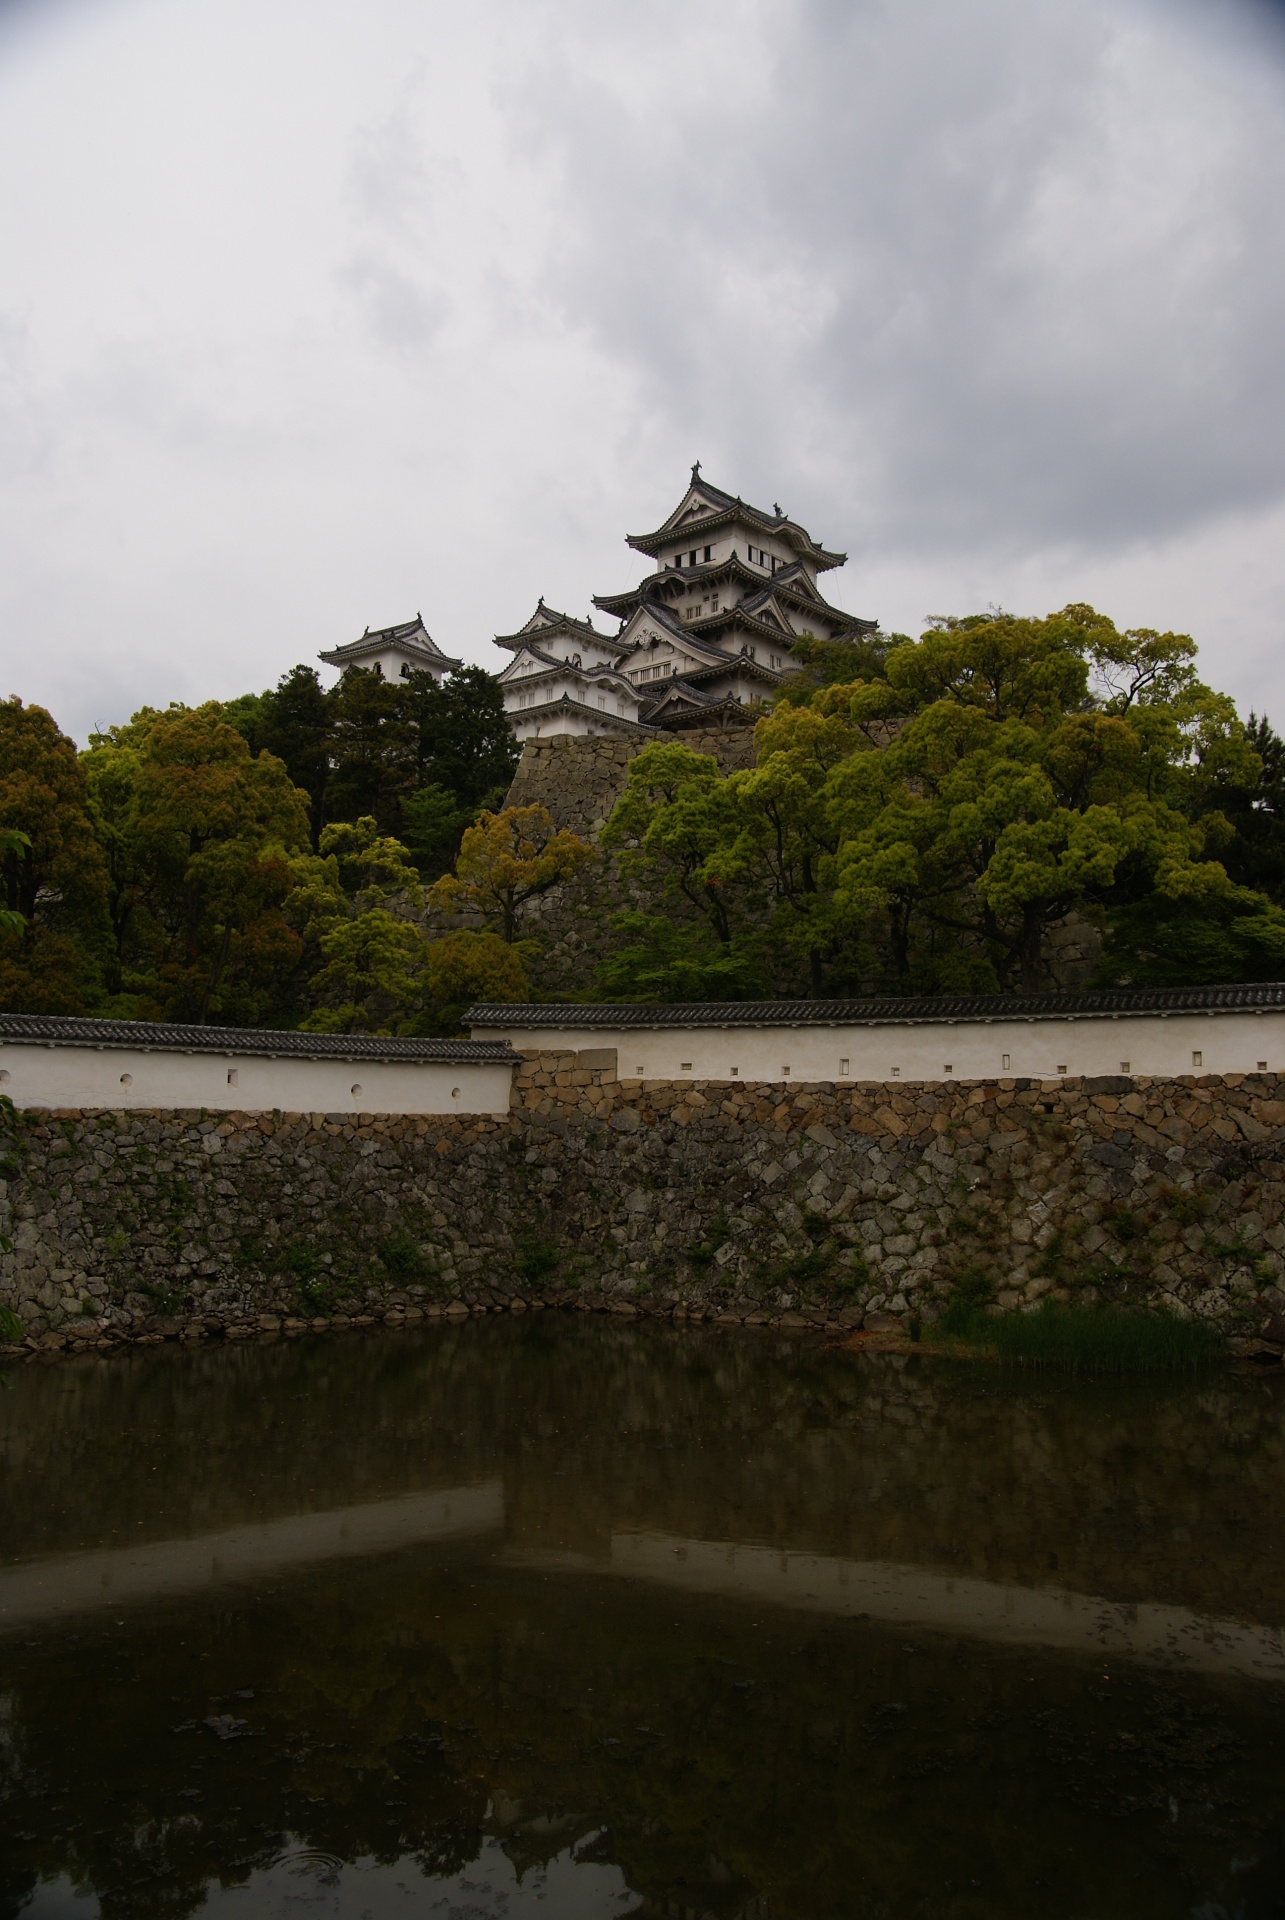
x=696 y=471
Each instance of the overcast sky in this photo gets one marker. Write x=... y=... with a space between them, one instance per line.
x=316 y=313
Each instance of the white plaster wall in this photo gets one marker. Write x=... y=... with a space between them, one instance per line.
x=1036 y=1048
x=122 y=1077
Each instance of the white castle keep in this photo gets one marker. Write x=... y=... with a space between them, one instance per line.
x=708 y=632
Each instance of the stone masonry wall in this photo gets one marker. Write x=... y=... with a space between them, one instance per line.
x=827 y=1204
x=580 y=780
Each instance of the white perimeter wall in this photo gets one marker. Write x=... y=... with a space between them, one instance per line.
x=115 y=1077
x=1038 y=1048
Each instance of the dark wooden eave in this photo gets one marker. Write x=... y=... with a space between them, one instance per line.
x=725 y=509
x=553 y=622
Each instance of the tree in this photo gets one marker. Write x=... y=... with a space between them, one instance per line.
x=673 y=816
x=297 y=724
x=1221 y=938
x=199 y=835
x=52 y=874
x=1012 y=794
x=372 y=975
x=372 y=866
x=373 y=749
x=506 y=860
x=463 y=740
x=785 y=840
x=666 y=963
x=13 y=843
x=466 y=967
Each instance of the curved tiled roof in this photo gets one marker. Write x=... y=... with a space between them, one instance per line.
x=552 y=622
x=724 y=508
x=155 y=1036
x=887 y=1012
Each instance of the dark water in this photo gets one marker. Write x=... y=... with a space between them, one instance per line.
x=568 y=1618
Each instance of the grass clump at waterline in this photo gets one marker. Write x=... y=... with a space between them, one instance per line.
x=1090 y=1339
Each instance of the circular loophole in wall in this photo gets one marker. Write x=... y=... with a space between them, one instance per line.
x=355 y=1090
x=127 y=1079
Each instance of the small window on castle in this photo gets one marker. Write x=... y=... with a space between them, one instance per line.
x=1262 y=1066
x=843 y=1066
x=896 y=1073
x=1004 y=1063
x=232 y=1073
x=602 y=703
x=1062 y=1068
x=786 y=1072
x=691 y=561
x=948 y=1069
x=709 y=551
x=684 y=1066
x=1125 y=1067
x=736 y=1073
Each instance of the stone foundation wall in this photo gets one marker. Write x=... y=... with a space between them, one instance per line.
x=843 y=1205
x=580 y=780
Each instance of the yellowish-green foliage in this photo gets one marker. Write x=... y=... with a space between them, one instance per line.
x=53 y=880
x=372 y=866
x=198 y=835
x=921 y=829
x=372 y=975
x=505 y=860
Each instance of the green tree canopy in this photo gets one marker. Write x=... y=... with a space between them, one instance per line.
x=53 y=878
x=507 y=859
x=198 y=833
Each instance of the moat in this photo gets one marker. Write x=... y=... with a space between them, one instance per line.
x=559 y=1615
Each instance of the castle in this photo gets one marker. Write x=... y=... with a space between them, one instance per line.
x=706 y=634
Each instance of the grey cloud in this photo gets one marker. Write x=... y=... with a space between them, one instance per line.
x=1001 y=273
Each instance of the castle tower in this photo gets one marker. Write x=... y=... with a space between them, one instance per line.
x=705 y=636
x=394 y=653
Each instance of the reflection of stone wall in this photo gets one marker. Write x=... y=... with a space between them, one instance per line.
x=819 y=1203
x=1154 y=1493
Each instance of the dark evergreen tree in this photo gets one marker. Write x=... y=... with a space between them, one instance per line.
x=296 y=723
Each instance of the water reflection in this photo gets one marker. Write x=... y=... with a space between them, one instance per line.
x=582 y=1618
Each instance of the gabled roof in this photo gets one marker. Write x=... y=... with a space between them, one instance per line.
x=411 y=637
x=792 y=583
x=525 y=715
x=714 y=508
x=678 y=692
x=508 y=677
x=680 y=632
x=549 y=618
x=731 y=567
x=879 y=1012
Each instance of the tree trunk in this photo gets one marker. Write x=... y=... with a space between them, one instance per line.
x=214 y=978
x=1032 y=942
